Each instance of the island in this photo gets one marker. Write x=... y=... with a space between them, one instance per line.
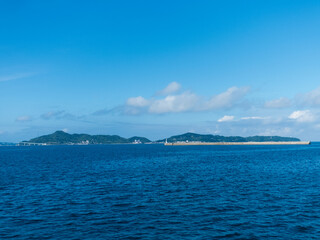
x=208 y=139
x=63 y=138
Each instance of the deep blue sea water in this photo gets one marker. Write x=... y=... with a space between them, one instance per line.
x=160 y=192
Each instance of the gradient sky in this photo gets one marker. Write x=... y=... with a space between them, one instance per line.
x=160 y=68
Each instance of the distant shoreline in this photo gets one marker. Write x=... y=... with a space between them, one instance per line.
x=235 y=143
x=63 y=138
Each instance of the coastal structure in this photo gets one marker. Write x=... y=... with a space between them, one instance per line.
x=31 y=144
x=187 y=143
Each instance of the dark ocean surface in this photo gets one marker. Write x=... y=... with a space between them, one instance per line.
x=160 y=192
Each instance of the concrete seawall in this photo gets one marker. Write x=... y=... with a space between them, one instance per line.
x=234 y=143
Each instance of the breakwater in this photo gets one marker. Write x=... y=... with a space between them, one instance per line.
x=235 y=143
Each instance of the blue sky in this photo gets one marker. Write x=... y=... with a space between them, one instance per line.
x=159 y=68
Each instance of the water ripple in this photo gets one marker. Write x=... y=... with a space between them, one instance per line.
x=156 y=192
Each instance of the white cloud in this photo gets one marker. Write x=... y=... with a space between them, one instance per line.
x=278 y=103
x=171 y=88
x=23 y=119
x=175 y=103
x=253 y=118
x=302 y=116
x=226 y=119
x=53 y=114
x=277 y=131
x=137 y=102
x=58 y=115
x=228 y=98
x=185 y=102
x=15 y=76
x=311 y=98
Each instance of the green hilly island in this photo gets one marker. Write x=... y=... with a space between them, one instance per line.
x=193 y=137
x=60 y=137
x=63 y=138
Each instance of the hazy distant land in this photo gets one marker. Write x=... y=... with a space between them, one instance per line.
x=7 y=144
x=63 y=138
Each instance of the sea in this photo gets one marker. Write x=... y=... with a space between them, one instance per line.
x=160 y=192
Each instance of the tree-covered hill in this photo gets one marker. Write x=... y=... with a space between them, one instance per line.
x=60 y=137
x=194 y=137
